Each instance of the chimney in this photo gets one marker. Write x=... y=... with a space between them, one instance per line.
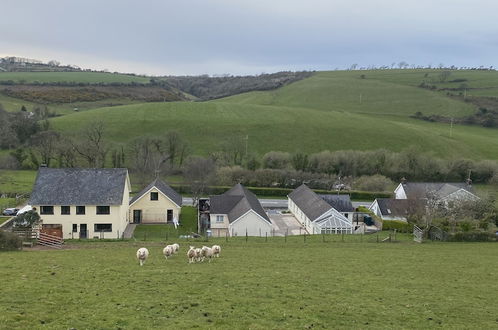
x=403 y=180
x=469 y=182
x=43 y=165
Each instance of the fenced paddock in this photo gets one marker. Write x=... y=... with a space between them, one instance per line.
x=254 y=284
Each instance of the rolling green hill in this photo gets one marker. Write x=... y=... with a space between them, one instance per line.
x=331 y=110
x=69 y=77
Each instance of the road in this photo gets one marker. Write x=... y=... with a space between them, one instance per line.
x=275 y=203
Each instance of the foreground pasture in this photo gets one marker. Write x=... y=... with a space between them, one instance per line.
x=254 y=285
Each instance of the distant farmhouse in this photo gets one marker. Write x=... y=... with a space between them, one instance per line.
x=318 y=215
x=156 y=203
x=412 y=197
x=95 y=202
x=82 y=203
x=237 y=212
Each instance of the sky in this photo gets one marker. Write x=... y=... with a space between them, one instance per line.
x=192 y=37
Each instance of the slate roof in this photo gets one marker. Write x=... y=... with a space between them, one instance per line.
x=398 y=207
x=162 y=187
x=441 y=189
x=341 y=203
x=79 y=186
x=309 y=202
x=236 y=202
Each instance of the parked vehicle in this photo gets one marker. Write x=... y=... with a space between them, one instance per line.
x=10 y=212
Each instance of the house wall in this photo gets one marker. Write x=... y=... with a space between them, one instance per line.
x=154 y=211
x=300 y=216
x=252 y=223
x=400 y=192
x=117 y=218
x=219 y=229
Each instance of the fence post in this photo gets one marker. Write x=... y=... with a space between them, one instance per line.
x=286 y=235
x=304 y=237
x=259 y=232
x=342 y=236
x=118 y=235
x=377 y=238
x=226 y=236
x=266 y=236
x=246 y=234
x=323 y=238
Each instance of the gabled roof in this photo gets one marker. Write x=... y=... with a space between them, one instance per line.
x=79 y=186
x=399 y=207
x=236 y=202
x=341 y=203
x=309 y=202
x=162 y=187
x=439 y=189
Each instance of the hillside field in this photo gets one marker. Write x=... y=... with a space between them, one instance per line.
x=329 y=111
x=254 y=285
x=70 y=77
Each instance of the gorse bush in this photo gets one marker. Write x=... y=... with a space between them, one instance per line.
x=9 y=241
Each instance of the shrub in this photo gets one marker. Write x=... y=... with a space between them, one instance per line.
x=472 y=236
x=401 y=226
x=9 y=241
x=373 y=183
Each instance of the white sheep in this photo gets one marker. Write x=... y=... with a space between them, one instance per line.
x=142 y=255
x=191 y=255
x=216 y=250
x=198 y=254
x=176 y=248
x=207 y=252
x=168 y=251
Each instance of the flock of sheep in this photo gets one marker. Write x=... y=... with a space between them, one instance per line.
x=193 y=254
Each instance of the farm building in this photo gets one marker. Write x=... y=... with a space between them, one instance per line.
x=82 y=203
x=156 y=203
x=238 y=212
x=315 y=214
x=444 y=192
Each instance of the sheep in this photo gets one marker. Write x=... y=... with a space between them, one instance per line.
x=142 y=255
x=168 y=251
x=176 y=248
x=191 y=255
x=207 y=252
x=216 y=250
x=198 y=254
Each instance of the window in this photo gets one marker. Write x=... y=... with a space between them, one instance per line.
x=46 y=210
x=154 y=196
x=102 y=227
x=346 y=215
x=80 y=210
x=65 y=209
x=219 y=218
x=103 y=210
x=75 y=228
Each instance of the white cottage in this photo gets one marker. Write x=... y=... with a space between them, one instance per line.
x=315 y=214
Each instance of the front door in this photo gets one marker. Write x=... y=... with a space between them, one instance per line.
x=169 y=216
x=137 y=216
x=83 y=231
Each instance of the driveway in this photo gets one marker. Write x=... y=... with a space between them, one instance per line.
x=285 y=223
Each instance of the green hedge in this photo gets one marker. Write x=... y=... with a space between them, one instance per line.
x=283 y=192
x=9 y=241
x=400 y=226
x=472 y=236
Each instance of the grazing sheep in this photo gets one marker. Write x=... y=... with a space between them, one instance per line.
x=176 y=248
x=168 y=251
x=191 y=255
x=142 y=255
x=207 y=252
x=198 y=255
x=216 y=251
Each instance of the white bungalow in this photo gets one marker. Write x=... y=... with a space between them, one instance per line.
x=316 y=215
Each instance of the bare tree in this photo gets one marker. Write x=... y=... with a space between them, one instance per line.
x=45 y=144
x=199 y=172
x=92 y=146
x=148 y=156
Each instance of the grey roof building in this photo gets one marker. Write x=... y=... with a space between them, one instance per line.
x=309 y=202
x=341 y=203
x=439 y=190
x=162 y=187
x=236 y=202
x=79 y=186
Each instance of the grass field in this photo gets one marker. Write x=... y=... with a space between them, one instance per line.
x=253 y=285
x=69 y=77
x=16 y=181
x=330 y=110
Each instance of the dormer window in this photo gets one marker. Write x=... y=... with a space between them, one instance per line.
x=154 y=196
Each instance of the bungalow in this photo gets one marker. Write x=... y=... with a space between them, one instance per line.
x=444 y=192
x=396 y=209
x=341 y=203
x=238 y=212
x=315 y=214
x=156 y=203
x=82 y=203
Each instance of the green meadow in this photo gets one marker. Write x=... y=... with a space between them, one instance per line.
x=255 y=284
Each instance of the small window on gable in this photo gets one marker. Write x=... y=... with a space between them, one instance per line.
x=154 y=196
x=219 y=218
